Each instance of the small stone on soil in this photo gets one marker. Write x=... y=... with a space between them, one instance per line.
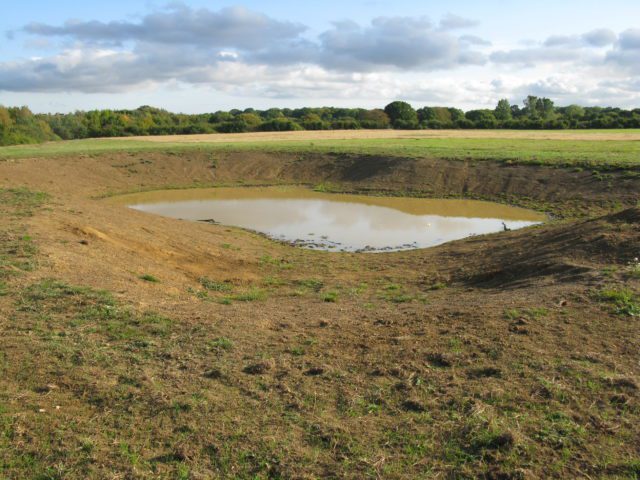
x=413 y=406
x=258 y=368
x=214 y=373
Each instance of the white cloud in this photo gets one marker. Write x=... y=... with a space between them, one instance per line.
x=399 y=42
x=181 y=25
x=454 y=22
x=249 y=54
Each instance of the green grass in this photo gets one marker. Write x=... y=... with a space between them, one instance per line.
x=312 y=284
x=252 y=295
x=149 y=278
x=17 y=248
x=88 y=309
x=214 y=286
x=592 y=154
x=221 y=343
x=395 y=293
x=330 y=297
x=22 y=200
x=624 y=301
x=528 y=313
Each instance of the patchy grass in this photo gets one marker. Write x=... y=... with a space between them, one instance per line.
x=215 y=286
x=21 y=202
x=222 y=343
x=17 y=248
x=624 y=301
x=94 y=310
x=527 y=313
x=149 y=278
x=396 y=293
x=330 y=296
x=251 y=295
x=312 y=284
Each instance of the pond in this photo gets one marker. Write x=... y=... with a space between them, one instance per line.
x=336 y=222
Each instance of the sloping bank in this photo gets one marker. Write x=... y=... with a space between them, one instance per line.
x=565 y=191
x=554 y=188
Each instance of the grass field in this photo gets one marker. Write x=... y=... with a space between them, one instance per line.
x=550 y=148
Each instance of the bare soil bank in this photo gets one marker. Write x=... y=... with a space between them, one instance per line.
x=562 y=190
x=512 y=355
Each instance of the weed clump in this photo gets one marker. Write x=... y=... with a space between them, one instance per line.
x=149 y=278
x=330 y=297
x=624 y=301
x=214 y=286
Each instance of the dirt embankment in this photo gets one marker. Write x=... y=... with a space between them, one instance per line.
x=565 y=191
x=518 y=183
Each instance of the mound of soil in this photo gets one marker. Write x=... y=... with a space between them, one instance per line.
x=559 y=252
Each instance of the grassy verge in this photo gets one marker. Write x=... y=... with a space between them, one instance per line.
x=592 y=154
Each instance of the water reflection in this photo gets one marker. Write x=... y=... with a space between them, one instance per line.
x=337 y=222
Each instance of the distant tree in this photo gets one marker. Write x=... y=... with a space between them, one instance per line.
x=465 y=123
x=251 y=119
x=312 y=121
x=375 y=118
x=456 y=114
x=482 y=118
x=272 y=113
x=545 y=107
x=6 y=123
x=237 y=125
x=503 y=110
x=19 y=125
x=5 y=119
x=536 y=107
x=574 y=112
x=402 y=115
x=219 y=117
x=516 y=111
x=438 y=117
x=426 y=114
x=279 y=125
x=345 y=123
x=531 y=106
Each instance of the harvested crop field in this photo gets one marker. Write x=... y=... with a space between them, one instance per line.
x=138 y=346
x=396 y=134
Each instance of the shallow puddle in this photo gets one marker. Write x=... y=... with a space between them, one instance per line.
x=336 y=222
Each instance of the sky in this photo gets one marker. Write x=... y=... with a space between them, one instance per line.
x=206 y=55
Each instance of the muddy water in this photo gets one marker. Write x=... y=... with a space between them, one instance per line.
x=336 y=222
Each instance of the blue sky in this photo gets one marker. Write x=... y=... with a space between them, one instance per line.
x=200 y=55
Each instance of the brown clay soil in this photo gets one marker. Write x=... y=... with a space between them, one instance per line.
x=498 y=356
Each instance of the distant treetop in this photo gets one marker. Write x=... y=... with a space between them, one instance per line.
x=18 y=125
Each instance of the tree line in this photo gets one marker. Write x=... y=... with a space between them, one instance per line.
x=18 y=125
